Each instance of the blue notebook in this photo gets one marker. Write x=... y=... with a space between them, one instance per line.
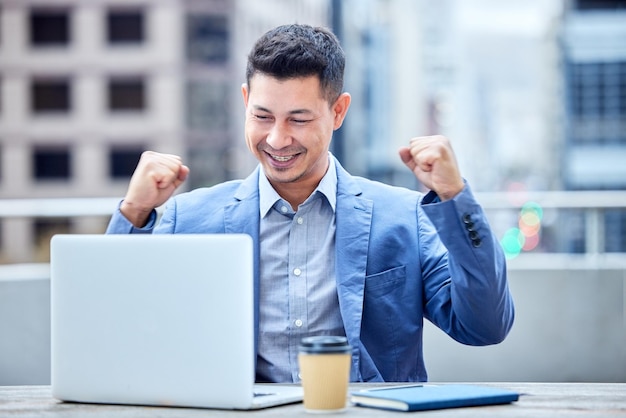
x=429 y=396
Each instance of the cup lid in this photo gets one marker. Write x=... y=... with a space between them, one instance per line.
x=325 y=344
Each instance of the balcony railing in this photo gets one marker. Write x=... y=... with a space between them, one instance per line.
x=570 y=222
x=592 y=206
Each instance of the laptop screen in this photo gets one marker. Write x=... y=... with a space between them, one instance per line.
x=153 y=319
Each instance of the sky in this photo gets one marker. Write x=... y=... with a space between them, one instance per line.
x=525 y=17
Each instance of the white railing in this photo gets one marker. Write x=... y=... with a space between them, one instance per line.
x=593 y=204
x=58 y=207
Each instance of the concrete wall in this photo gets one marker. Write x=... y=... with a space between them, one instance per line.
x=24 y=325
x=570 y=326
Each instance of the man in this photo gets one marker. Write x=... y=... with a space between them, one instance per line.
x=336 y=254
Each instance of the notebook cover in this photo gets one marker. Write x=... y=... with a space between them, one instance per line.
x=428 y=396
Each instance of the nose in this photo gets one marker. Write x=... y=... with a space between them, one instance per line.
x=279 y=136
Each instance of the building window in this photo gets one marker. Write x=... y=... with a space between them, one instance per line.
x=51 y=163
x=125 y=26
x=600 y=4
x=49 y=27
x=207 y=39
x=207 y=104
x=122 y=162
x=127 y=94
x=50 y=95
x=598 y=101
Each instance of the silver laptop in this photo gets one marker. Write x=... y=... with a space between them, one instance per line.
x=156 y=320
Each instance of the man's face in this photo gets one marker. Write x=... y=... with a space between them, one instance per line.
x=289 y=126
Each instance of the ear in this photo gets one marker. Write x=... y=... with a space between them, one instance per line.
x=245 y=92
x=340 y=108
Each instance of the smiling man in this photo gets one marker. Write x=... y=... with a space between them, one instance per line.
x=337 y=254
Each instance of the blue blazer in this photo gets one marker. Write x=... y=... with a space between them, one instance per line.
x=401 y=256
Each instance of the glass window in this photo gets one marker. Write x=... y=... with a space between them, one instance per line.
x=50 y=95
x=122 y=161
x=127 y=94
x=207 y=38
x=125 y=26
x=49 y=27
x=597 y=99
x=600 y=4
x=207 y=105
x=51 y=163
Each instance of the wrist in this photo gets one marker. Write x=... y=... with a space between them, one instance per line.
x=135 y=214
x=451 y=193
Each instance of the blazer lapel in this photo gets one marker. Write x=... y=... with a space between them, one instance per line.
x=353 y=217
x=243 y=217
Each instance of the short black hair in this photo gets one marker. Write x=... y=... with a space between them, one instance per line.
x=297 y=50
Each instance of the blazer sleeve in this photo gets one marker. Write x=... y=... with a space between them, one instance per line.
x=470 y=299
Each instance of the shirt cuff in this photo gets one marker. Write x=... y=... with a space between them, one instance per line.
x=432 y=197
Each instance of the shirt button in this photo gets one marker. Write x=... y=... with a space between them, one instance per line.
x=297 y=272
x=298 y=322
x=300 y=220
x=284 y=209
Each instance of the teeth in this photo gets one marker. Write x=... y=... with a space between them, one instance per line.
x=282 y=159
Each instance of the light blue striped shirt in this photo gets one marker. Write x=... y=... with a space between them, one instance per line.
x=298 y=293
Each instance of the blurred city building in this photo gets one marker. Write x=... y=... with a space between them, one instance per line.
x=594 y=67
x=594 y=54
x=484 y=73
x=86 y=86
x=530 y=93
x=383 y=41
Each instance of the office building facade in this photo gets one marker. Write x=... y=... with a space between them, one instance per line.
x=594 y=67
x=86 y=86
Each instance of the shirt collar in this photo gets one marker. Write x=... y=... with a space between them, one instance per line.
x=327 y=187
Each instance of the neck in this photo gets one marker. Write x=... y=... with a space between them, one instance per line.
x=294 y=193
x=297 y=191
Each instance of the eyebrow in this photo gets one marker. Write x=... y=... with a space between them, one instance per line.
x=291 y=112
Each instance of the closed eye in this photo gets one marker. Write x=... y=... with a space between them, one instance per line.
x=261 y=117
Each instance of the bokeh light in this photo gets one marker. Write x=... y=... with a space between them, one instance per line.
x=527 y=235
x=512 y=242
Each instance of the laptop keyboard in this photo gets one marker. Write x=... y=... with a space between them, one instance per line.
x=259 y=394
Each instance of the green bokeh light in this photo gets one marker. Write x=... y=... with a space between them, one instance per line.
x=512 y=242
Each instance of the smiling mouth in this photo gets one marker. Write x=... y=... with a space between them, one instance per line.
x=282 y=159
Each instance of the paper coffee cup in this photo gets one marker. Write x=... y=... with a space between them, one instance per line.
x=325 y=371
